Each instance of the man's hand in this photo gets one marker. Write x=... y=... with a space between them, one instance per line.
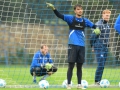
x=48 y=66
x=97 y=31
x=50 y=5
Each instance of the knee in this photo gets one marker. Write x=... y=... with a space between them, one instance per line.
x=71 y=67
x=55 y=69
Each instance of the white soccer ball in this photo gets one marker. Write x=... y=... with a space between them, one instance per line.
x=84 y=83
x=2 y=83
x=104 y=83
x=64 y=84
x=119 y=84
x=44 y=84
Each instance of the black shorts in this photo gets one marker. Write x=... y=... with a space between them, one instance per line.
x=76 y=53
x=42 y=71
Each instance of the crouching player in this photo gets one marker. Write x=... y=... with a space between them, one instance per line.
x=42 y=64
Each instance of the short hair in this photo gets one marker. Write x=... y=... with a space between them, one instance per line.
x=106 y=11
x=44 y=45
x=77 y=5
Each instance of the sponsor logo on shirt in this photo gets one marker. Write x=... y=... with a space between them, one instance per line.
x=101 y=55
x=78 y=26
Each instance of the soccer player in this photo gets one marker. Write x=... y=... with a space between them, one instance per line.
x=100 y=43
x=42 y=64
x=76 y=40
x=117 y=24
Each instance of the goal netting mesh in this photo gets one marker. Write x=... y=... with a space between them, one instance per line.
x=26 y=24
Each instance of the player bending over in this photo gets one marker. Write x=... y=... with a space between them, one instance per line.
x=42 y=64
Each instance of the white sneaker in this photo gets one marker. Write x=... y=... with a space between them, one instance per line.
x=68 y=87
x=97 y=83
x=80 y=87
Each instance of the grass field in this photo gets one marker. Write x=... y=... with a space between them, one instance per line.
x=58 y=89
x=17 y=76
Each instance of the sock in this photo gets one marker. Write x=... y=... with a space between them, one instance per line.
x=34 y=77
x=79 y=84
x=69 y=84
x=45 y=76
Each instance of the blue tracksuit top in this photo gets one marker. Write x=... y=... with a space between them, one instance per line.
x=40 y=60
x=77 y=37
x=117 y=24
x=102 y=40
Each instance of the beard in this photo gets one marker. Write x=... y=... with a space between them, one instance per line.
x=79 y=15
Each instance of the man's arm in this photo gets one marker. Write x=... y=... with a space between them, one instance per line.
x=59 y=15
x=93 y=39
x=95 y=34
x=89 y=23
x=36 y=61
x=117 y=24
x=95 y=27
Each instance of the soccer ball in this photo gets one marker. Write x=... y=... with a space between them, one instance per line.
x=84 y=83
x=104 y=83
x=44 y=84
x=64 y=84
x=119 y=84
x=2 y=83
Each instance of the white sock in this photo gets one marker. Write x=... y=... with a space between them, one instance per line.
x=45 y=76
x=79 y=84
x=34 y=77
x=69 y=84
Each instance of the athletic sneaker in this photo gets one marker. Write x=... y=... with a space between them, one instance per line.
x=68 y=87
x=97 y=83
x=80 y=87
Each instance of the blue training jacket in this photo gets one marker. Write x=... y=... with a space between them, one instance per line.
x=40 y=60
x=77 y=37
x=117 y=24
x=100 y=41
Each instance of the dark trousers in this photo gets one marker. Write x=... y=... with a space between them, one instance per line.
x=76 y=54
x=42 y=71
x=101 y=56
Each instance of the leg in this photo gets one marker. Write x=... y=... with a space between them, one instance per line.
x=70 y=72
x=32 y=71
x=103 y=64
x=44 y=73
x=79 y=72
x=72 y=57
x=34 y=77
x=80 y=61
x=52 y=70
x=101 y=58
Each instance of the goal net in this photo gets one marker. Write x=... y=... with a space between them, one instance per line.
x=27 y=24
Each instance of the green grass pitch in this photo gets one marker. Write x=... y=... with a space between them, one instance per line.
x=17 y=76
